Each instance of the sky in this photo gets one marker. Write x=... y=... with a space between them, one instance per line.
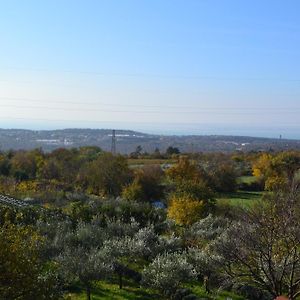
x=161 y=66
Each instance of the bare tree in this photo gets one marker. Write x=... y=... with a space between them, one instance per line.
x=264 y=247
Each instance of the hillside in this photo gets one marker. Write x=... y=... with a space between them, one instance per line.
x=127 y=141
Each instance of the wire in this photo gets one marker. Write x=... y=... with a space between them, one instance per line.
x=161 y=76
x=110 y=122
x=216 y=111
x=132 y=105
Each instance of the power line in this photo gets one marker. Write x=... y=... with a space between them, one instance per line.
x=161 y=76
x=113 y=142
x=109 y=122
x=215 y=111
x=128 y=105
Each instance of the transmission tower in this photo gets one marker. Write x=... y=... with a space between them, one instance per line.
x=113 y=142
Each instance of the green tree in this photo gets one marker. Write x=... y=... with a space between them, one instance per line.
x=146 y=185
x=23 y=275
x=106 y=176
x=85 y=265
x=167 y=272
x=24 y=165
x=172 y=150
x=82 y=256
x=4 y=165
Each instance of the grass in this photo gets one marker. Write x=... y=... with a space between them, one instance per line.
x=240 y=198
x=247 y=179
x=199 y=291
x=105 y=290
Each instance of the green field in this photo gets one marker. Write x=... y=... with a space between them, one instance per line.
x=239 y=198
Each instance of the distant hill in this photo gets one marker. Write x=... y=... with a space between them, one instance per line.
x=127 y=141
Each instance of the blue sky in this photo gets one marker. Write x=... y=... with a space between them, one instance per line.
x=190 y=66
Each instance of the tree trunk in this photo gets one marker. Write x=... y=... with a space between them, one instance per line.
x=120 y=280
x=88 y=292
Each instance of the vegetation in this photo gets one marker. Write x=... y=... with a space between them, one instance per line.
x=96 y=228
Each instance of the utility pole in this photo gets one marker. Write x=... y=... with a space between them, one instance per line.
x=113 y=142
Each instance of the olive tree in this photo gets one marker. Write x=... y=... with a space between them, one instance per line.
x=167 y=272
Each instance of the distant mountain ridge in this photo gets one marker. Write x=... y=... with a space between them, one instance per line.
x=128 y=140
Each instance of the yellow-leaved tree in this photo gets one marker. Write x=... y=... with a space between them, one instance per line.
x=185 y=210
x=22 y=272
x=279 y=171
x=192 y=198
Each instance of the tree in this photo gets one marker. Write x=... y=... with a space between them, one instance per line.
x=185 y=210
x=146 y=185
x=85 y=265
x=61 y=164
x=172 y=150
x=134 y=192
x=137 y=152
x=156 y=153
x=123 y=251
x=24 y=165
x=167 y=272
x=83 y=256
x=266 y=252
x=191 y=198
x=277 y=172
x=184 y=170
x=106 y=176
x=4 y=165
x=223 y=177
x=23 y=275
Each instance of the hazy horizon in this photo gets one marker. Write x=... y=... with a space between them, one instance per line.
x=174 y=129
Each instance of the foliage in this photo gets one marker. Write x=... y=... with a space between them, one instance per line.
x=266 y=252
x=167 y=272
x=146 y=185
x=277 y=171
x=83 y=258
x=184 y=170
x=23 y=275
x=223 y=177
x=172 y=150
x=185 y=211
x=85 y=265
x=134 y=192
x=118 y=209
x=192 y=198
x=105 y=176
